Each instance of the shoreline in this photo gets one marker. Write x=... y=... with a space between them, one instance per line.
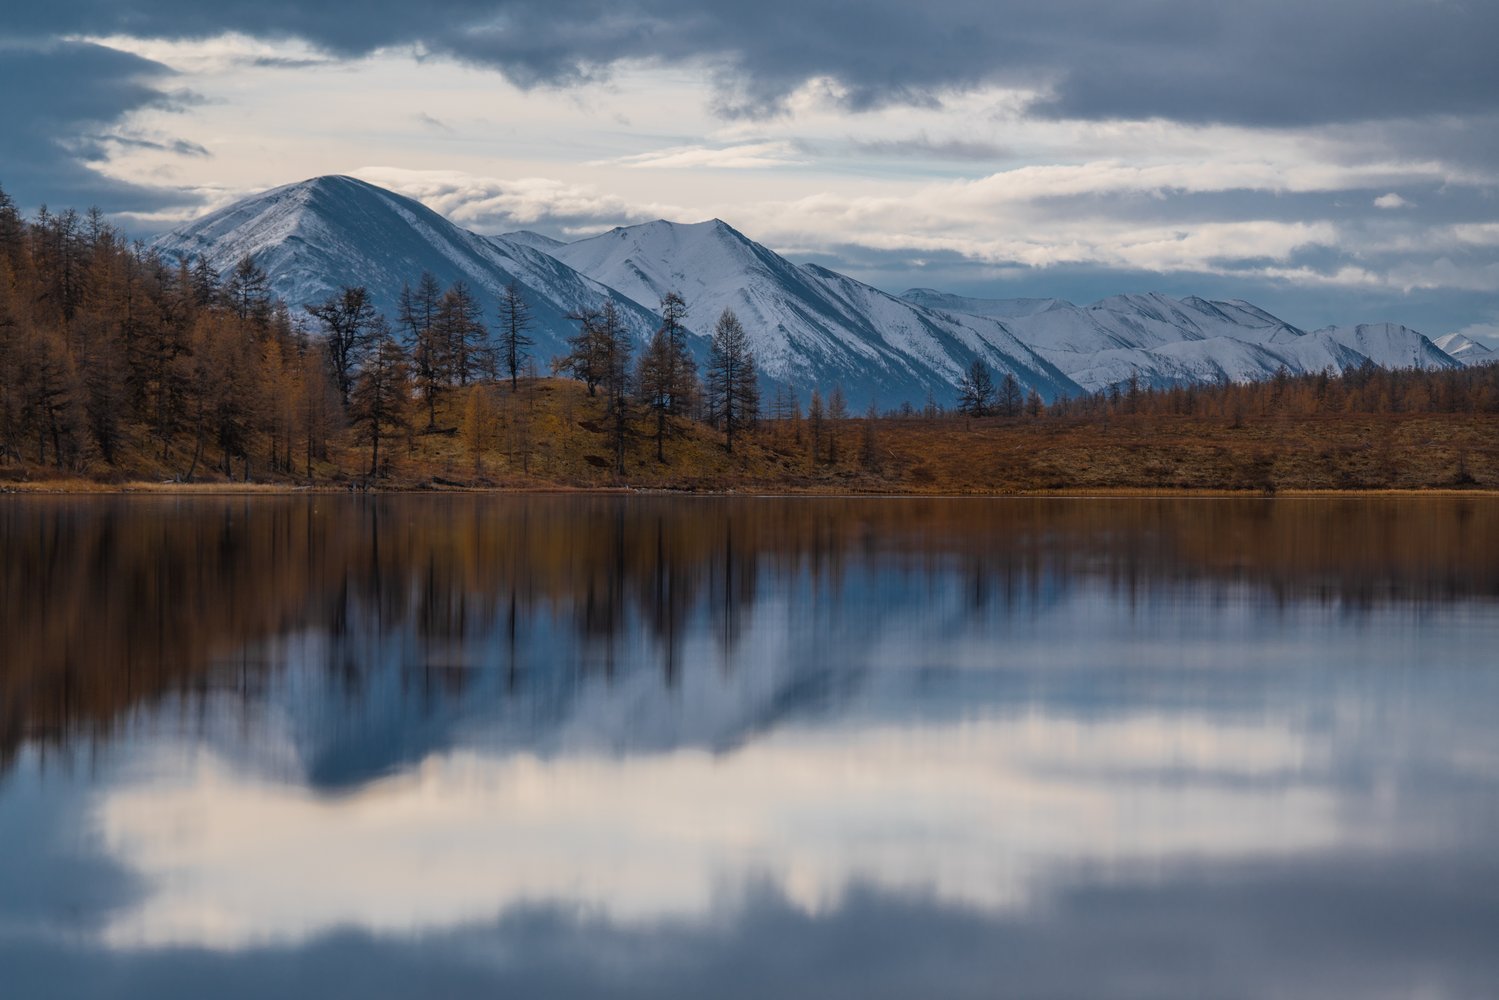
x=83 y=488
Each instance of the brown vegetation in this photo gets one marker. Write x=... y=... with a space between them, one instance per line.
x=120 y=368
x=549 y=434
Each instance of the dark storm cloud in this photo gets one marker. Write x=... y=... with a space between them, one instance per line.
x=57 y=99
x=1278 y=62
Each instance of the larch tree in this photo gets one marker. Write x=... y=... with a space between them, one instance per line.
x=460 y=325
x=816 y=426
x=666 y=377
x=515 y=322
x=614 y=352
x=249 y=292
x=869 y=440
x=1009 y=397
x=381 y=394
x=733 y=387
x=348 y=320
x=976 y=390
x=585 y=359
x=428 y=350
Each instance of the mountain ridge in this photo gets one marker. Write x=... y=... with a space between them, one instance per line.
x=318 y=235
x=810 y=326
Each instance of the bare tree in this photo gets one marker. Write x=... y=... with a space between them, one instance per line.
x=429 y=351
x=584 y=361
x=666 y=377
x=381 y=394
x=347 y=318
x=614 y=353
x=733 y=386
x=1009 y=395
x=976 y=390
x=515 y=320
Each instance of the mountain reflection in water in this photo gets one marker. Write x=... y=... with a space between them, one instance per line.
x=667 y=746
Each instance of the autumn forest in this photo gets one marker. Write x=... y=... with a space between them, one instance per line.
x=118 y=366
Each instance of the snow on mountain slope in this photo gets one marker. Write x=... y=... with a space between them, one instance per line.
x=1164 y=341
x=809 y=326
x=1389 y=345
x=536 y=241
x=319 y=235
x=993 y=308
x=1469 y=352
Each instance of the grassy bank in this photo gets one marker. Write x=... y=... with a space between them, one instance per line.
x=552 y=436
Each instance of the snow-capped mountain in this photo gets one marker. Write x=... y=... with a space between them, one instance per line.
x=536 y=241
x=993 y=308
x=1164 y=341
x=317 y=236
x=810 y=326
x=1468 y=351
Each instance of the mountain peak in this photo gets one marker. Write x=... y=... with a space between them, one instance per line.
x=323 y=233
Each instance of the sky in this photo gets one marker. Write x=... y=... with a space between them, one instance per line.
x=1334 y=161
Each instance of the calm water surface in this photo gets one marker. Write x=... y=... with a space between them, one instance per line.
x=654 y=747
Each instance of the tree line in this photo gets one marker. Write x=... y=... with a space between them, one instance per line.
x=1367 y=389
x=114 y=358
x=108 y=348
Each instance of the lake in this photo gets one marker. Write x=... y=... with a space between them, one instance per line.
x=673 y=747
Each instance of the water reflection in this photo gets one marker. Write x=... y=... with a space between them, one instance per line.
x=562 y=744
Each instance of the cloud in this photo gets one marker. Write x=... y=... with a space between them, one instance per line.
x=163 y=144
x=509 y=830
x=492 y=205
x=61 y=109
x=922 y=147
x=1276 y=62
x=422 y=118
x=748 y=156
x=1391 y=200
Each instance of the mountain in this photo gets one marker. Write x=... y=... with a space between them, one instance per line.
x=809 y=326
x=1165 y=341
x=993 y=308
x=536 y=241
x=1469 y=352
x=317 y=236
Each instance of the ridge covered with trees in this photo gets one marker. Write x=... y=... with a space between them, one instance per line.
x=117 y=366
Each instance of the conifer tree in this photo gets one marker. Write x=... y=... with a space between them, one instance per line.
x=515 y=321
x=976 y=390
x=614 y=352
x=733 y=385
x=585 y=359
x=460 y=326
x=1009 y=395
x=381 y=394
x=869 y=442
x=348 y=321
x=428 y=349
x=249 y=292
x=666 y=377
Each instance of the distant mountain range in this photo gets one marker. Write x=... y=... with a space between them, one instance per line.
x=810 y=326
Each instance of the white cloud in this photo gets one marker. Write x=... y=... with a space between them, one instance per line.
x=751 y=156
x=488 y=203
x=1151 y=195
x=979 y=814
